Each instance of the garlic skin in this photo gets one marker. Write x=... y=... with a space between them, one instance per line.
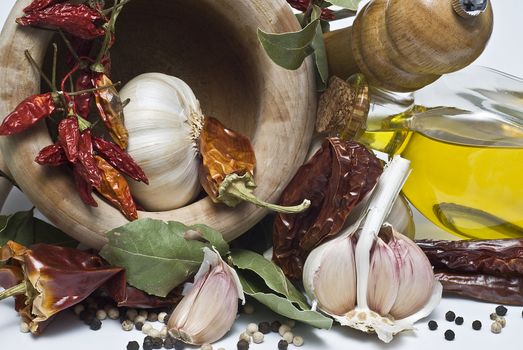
x=391 y=279
x=163 y=119
x=209 y=307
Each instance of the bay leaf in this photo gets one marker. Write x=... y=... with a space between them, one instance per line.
x=283 y=306
x=320 y=53
x=289 y=50
x=347 y=4
x=158 y=255
x=23 y=228
x=271 y=274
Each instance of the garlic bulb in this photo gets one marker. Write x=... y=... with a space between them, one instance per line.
x=163 y=119
x=371 y=277
x=209 y=308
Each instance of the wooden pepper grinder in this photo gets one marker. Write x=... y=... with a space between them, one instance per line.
x=403 y=45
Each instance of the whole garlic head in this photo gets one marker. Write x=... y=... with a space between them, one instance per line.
x=163 y=119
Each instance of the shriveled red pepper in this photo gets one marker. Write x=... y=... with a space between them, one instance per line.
x=119 y=159
x=76 y=19
x=87 y=166
x=55 y=278
x=227 y=171
x=53 y=155
x=38 y=5
x=336 y=179
x=82 y=101
x=115 y=189
x=303 y=5
x=28 y=112
x=69 y=136
x=111 y=110
x=84 y=188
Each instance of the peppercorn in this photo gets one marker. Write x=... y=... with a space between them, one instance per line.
x=146 y=328
x=283 y=345
x=179 y=345
x=495 y=327
x=290 y=323
x=95 y=324
x=127 y=325
x=245 y=336
x=459 y=320
x=283 y=329
x=131 y=314
x=275 y=326
x=143 y=313
x=89 y=316
x=494 y=316
x=147 y=346
x=101 y=314
x=78 y=308
x=163 y=332
x=157 y=343
x=133 y=345
x=24 y=327
x=148 y=338
x=264 y=327
x=288 y=337
x=252 y=328
x=501 y=310
x=139 y=319
x=257 y=337
x=168 y=343
x=449 y=334
x=502 y=321
x=433 y=325
x=476 y=325
x=450 y=316
x=242 y=344
x=162 y=316
x=113 y=313
x=166 y=318
x=297 y=341
x=206 y=347
x=154 y=333
x=152 y=317
x=138 y=326
x=248 y=309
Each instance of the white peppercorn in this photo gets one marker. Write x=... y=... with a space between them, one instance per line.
x=297 y=341
x=496 y=327
x=162 y=316
x=283 y=329
x=252 y=328
x=127 y=325
x=493 y=316
x=152 y=317
x=154 y=333
x=146 y=328
x=290 y=323
x=248 y=309
x=245 y=336
x=139 y=319
x=78 y=308
x=257 y=337
x=206 y=347
x=113 y=313
x=502 y=321
x=288 y=337
x=163 y=332
x=101 y=314
x=143 y=313
x=24 y=327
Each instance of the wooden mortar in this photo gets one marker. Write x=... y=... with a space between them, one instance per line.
x=212 y=45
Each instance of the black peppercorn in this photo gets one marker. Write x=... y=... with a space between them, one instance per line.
x=275 y=326
x=148 y=338
x=242 y=344
x=168 y=343
x=133 y=345
x=157 y=343
x=459 y=320
x=138 y=326
x=179 y=345
x=449 y=334
x=450 y=316
x=95 y=324
x=501 y=310
x=264 y=327
x=283 y=345
x=476 y=325
x=433 y=325
x=147 y=346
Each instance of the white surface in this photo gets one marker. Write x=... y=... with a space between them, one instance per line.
x=504 y=52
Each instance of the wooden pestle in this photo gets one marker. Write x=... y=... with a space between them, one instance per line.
x=403 y=45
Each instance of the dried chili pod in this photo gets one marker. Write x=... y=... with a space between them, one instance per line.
x=38 y=5
x=336 y=179
x=502 y=257
x=119 y=159
x=52 y=155
x=55 y=278
x=227 y=171
x=82 y=101
x=111 y=111
x=115 y=189
x=69 y=136
x=83 y=187
x=87 y=166
x=76 y=19
x=494 y=289
x=28 y=112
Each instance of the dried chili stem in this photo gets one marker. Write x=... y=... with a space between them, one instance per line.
x=94 y=89
x=109 y=30
x=69 y=46
x=40 y=71
x=55 y=58
x=108 y=10
x=15 y=290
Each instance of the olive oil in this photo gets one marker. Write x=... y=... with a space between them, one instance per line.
x=472 y=191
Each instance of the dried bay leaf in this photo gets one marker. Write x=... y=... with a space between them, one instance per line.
x=158 y=255
x=348 y=4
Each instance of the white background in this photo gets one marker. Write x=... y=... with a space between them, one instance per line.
x=504 y=52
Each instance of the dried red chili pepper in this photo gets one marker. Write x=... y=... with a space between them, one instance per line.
x=119 y=159
x=336 y=179
x=490 y=270
x=55 y=278
x=303 y=5
x=83 y=101
x=76 y=19
x=83 y=187
x=52 y=155
x=111 y=111
x=87 y=166
x=115 y=189
x=38 y=5
x=27 y=113
x=227 y=171
x=69 y=136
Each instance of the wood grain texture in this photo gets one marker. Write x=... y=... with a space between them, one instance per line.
x=233 y=78
x=403 y=45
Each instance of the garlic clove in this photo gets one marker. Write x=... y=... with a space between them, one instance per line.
x=199 y=318
x=416 y=277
